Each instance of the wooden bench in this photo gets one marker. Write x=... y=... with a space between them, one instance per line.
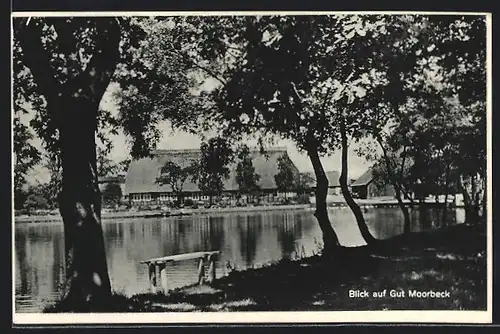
x=158 y=268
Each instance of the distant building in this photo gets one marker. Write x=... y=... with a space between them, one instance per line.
x=333 y=182
x=141 y=186
x=118 y=179
x=364 y=187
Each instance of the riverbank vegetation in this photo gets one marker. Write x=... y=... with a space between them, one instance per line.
x=406 y=82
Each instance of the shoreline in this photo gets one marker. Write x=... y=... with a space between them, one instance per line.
x=106 y=216
x=332 y=204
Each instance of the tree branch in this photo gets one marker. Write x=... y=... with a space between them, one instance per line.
x=298 y=98
x=68 y=43
x=402 y=163
x=201 y=67
x=36 y=57
x=102 y=65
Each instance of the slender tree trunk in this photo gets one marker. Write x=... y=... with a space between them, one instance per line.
x=330 y=239
x=485 y=198
x=356 y=210
x=404 y=209
x=474 y=198
x=445 y=206
x=397 y=190
x=87 y=279
x=468 y=206
x=466 y=201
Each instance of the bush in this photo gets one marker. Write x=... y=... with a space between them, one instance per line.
x=188 y=202
x=303 y=199
x=35 y=202
x=144 y=207
x=111 y=194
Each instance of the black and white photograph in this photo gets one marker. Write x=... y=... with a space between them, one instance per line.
x=261 y=167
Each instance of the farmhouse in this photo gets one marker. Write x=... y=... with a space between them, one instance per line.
x=105 y=180
x=364 y=187
x=333 y=181
x=141 y=186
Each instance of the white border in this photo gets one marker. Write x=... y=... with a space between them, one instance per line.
x=464 y=317
x=460 y=317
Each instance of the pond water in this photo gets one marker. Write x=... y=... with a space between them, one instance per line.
x=245 y=240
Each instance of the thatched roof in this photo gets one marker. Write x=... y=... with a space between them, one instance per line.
x=111 y=179
x=332 y=176
x=364 y=179
x=142 y=173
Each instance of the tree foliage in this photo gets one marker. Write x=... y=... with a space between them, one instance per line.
x=65 y=49
x=175 y=176
x=124 y=165
x=25 y=154
x=303 y=182
x=35 y=202
x=212 y=168
x=434 y=133
x=246 y=177
x=105 y=165
x=112 y=194
x=286 y=177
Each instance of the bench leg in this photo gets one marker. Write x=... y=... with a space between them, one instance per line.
x=201 y=271
x=163 y=278
x=152 y=277
x=211 y=270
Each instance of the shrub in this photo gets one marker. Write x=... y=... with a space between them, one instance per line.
x=303 y=199
x=188 y=202
x=35 y=202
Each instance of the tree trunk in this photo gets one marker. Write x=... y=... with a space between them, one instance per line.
x=73 y=107
x=404 y=209
x=356 y=210
x=485 y=198
x=469 y=212
x=474 y=198
x=87 y=280
x=397 y=189
x=330 y=239
x=445 y=206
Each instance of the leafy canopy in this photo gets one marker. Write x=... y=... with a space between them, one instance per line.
x=212 y=168
x=174 y=175
x=246 y=177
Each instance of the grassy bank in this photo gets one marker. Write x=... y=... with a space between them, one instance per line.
x=451 y=260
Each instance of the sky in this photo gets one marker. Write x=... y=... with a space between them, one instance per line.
x=181 y=140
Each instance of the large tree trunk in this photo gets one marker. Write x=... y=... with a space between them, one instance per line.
x=356 y=210
x=87 y=280
x=73 y=107
x=330 y=239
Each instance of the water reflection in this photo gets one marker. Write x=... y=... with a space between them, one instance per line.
x=245 y=240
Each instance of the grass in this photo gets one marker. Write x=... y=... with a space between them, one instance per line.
x=452 y=259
